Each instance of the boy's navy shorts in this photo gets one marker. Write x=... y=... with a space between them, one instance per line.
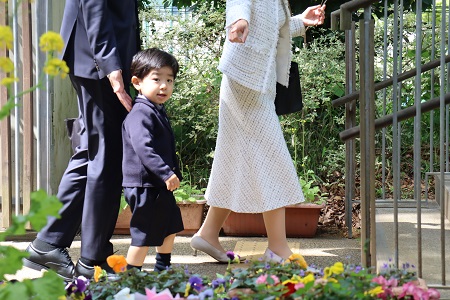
x=155 y=215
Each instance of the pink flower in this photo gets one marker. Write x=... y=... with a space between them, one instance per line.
x=434 y=294
x=263 y=279
x=380 y=280
x=299 y=285
x=163 y=295
x=386 y=285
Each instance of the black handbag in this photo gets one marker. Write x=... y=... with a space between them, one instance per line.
x=289 y=99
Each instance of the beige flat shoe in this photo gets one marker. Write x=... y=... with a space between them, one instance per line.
x=270 y=256
x=198 y=243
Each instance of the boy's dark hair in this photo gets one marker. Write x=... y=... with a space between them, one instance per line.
x=153 y=58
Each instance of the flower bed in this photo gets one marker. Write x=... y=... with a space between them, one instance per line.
x=260 y=280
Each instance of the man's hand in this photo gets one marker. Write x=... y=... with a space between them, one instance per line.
x=173 y=183
x=116 y=80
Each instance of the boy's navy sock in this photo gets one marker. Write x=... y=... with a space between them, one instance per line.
x=162 y=261
x=134 y=267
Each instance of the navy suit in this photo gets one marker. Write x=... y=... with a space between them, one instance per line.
x=101 y=36
x=149 y=159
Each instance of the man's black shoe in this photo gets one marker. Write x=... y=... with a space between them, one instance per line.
x=57 y=260
x=82 y=269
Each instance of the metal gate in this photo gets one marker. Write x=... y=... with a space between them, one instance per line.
x=403 y=99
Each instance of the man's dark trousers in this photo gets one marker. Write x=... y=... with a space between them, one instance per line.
x=91 y=186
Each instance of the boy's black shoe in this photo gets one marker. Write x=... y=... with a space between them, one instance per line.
x=57 y=260
x=82 y=269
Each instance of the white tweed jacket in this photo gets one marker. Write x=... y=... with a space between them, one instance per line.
x=250 y=63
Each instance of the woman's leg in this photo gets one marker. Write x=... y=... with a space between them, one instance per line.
x=210 y=228
x=275 y=223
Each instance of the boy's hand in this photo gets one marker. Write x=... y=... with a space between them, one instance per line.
x=173 y=183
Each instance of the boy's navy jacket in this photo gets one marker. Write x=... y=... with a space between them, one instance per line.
x=149 y=156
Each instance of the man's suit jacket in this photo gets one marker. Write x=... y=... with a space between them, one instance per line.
x=101 y=36
x=149 y=156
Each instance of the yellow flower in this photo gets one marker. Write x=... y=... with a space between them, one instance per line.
x=8 y=80
x=97 y=273
x=220 y=289
x=308 y=278
x=294 y=280
x=375 y=291
x=186 y=291
x=56 y=66
x=6 y=64
x=337 y=268
x=51 y=41
x=298 y=259
x=6 y=37
x=117 y=262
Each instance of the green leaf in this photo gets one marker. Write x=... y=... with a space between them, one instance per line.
x=338 y=91
x=10 y=260
x=14 y=291
x=6 y=109
x=49 y=286
x=42 y=205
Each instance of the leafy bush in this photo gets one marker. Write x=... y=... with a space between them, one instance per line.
x=197 y=43
x=193 y=110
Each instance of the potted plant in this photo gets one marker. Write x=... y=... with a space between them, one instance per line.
x=123 y=220
x=191 y=202
x=301 y=219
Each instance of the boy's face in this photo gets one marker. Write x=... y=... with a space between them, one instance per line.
x=157 y=86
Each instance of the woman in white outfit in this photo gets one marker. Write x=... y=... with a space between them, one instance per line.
x=252 y=171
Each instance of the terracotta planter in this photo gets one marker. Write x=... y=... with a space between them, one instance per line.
x=191 y=212
x=301 y=221
x=123 y=222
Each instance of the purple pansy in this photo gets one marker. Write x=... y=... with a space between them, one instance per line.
x=196 y=283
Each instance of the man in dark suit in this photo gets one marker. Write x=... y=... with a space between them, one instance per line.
x=101 y=38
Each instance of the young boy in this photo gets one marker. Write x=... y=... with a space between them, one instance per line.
x=150 y=168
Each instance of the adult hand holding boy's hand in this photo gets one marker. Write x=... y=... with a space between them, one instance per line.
x=173 y=183
x=116 y=80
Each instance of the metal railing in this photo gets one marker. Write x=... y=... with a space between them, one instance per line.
x=373 y=115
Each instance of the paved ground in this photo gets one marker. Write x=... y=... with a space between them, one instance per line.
x=435 y=241
x=323 y=250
